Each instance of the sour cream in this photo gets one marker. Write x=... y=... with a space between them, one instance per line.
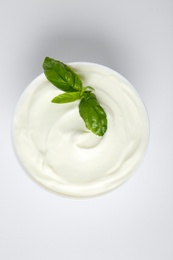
x=58 y=152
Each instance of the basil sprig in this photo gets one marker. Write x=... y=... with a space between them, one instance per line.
x=64 y=78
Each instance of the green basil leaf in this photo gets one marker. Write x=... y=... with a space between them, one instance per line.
x=61 y=76
x=93 y=114
x=66 y=97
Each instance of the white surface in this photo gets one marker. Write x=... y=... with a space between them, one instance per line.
x=135 y=221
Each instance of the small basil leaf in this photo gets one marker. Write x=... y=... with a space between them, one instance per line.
x=93 y=114
x=66 y=97
x=61 y=76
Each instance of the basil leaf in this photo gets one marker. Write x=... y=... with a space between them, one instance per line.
x=93 y=114
x=66 y=97
x=61 y=76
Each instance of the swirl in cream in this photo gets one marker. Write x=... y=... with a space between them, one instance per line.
x=56 y=149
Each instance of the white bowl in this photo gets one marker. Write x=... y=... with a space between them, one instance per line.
x=59 y=153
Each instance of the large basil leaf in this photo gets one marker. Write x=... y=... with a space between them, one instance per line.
x=61 y=76
x=93 y=114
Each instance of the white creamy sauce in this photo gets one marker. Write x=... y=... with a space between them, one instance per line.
x=55 y=148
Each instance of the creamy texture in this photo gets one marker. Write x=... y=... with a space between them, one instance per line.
x=54 y=146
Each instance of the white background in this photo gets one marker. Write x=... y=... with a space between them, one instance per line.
x=133 y=222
